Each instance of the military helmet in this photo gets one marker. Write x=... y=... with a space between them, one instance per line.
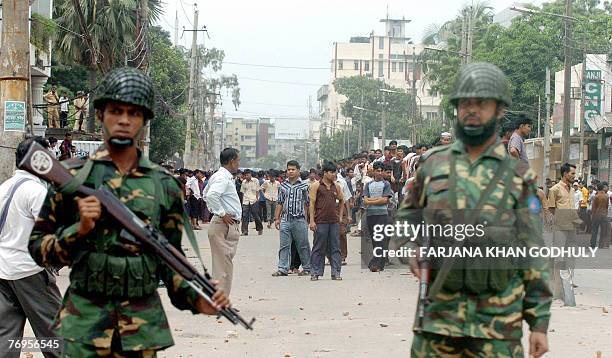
x=127 y=85
x=481 y=80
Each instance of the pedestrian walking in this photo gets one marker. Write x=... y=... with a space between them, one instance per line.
x=476 y=310
x=250 y=190
x=27 y=291
x=290 y=218
x=112 y=307
x=326 y=208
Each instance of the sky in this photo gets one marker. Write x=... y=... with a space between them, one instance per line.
x=292 y=33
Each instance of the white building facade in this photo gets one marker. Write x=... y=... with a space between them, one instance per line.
x=391 y=58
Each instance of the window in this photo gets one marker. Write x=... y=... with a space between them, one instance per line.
x=367 y=66
x=340 y=65
x=381 y=68
x=249 y=126
x=431 y=116
x=381 y=43
x=356 y=65
x=433 y=93
x=393 y=66
x=401 y=66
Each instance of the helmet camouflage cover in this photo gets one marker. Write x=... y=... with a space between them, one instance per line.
x=127 y=85
x=481 y=80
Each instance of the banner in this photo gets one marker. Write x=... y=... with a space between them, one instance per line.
x=592 y=99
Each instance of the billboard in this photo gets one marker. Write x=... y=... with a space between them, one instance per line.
x=291 y=128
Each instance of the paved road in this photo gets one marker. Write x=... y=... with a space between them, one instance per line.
x=365 y=315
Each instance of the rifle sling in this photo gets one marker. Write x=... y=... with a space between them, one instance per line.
x=78 y=180
x=448 y=263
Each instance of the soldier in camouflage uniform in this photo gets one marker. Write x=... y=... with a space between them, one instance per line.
x=479 y=312
x=112 y=307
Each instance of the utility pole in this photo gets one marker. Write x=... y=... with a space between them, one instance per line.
x=582 y=121
x=383 y=123
x=142 y=22
x=547 y=130
x=539 y=116
x=464 y=36
x=567 y=85
x=176 y=25
x=187 y=160
x=470 y=35
x=417 y=115
x=14 y=79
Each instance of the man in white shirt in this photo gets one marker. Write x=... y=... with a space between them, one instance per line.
x=250 y=190
x=27 y=291
x=270 y=190
x=224 y=231
x=193 y=199
x=64 y=103
x=344 y=221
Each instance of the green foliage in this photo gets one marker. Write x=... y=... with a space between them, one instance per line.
x=270 y=161
x=333 y=147
x=522 y=51
x=170 y=73
x=73 y=77
x=41 y=31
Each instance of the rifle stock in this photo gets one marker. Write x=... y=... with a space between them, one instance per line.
x=40 y=163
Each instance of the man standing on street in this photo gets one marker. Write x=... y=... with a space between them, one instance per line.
x=476 y=310
x=250 y=203
x=290 y=219
x=224 y=230
x=600 y=220
x=376 y=196
x=270 y=190
x=27 y=291
x=516 y=145
x=561 y=203
x=112 y=307
x=325 y=198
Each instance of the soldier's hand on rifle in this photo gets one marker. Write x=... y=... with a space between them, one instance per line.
x=90 y=210
x=538 y=344
x=220 y=301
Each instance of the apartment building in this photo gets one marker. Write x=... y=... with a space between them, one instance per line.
x=390 y=57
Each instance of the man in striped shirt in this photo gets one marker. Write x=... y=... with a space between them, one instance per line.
x=290 y=219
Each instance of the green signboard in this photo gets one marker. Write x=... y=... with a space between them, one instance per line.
x=14 y=116
x=592 y=96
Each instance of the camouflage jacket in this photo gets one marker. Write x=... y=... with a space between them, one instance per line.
x=141 y=322
x=527 y=295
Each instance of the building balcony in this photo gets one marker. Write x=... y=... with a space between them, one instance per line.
x=322 y=93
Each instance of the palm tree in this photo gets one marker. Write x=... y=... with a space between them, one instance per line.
x=111 y=25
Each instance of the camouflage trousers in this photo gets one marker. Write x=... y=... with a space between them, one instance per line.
x=80 y=350
x=430 y=345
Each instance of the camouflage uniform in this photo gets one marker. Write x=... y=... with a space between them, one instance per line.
x=112 y=305
x=479 y=312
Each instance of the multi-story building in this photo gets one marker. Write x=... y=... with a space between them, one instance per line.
x=241 y=133
x=390 y=57
x=505 y=17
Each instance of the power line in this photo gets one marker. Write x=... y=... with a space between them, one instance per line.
x=185 y=12
x=276 y=66
x=281 y=82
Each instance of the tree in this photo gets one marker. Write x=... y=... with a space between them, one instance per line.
x=524 y=50
x=99 y=34
x=170 y=73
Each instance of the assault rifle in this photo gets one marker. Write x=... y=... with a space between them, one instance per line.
x=39 y=162
x=424 y=271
